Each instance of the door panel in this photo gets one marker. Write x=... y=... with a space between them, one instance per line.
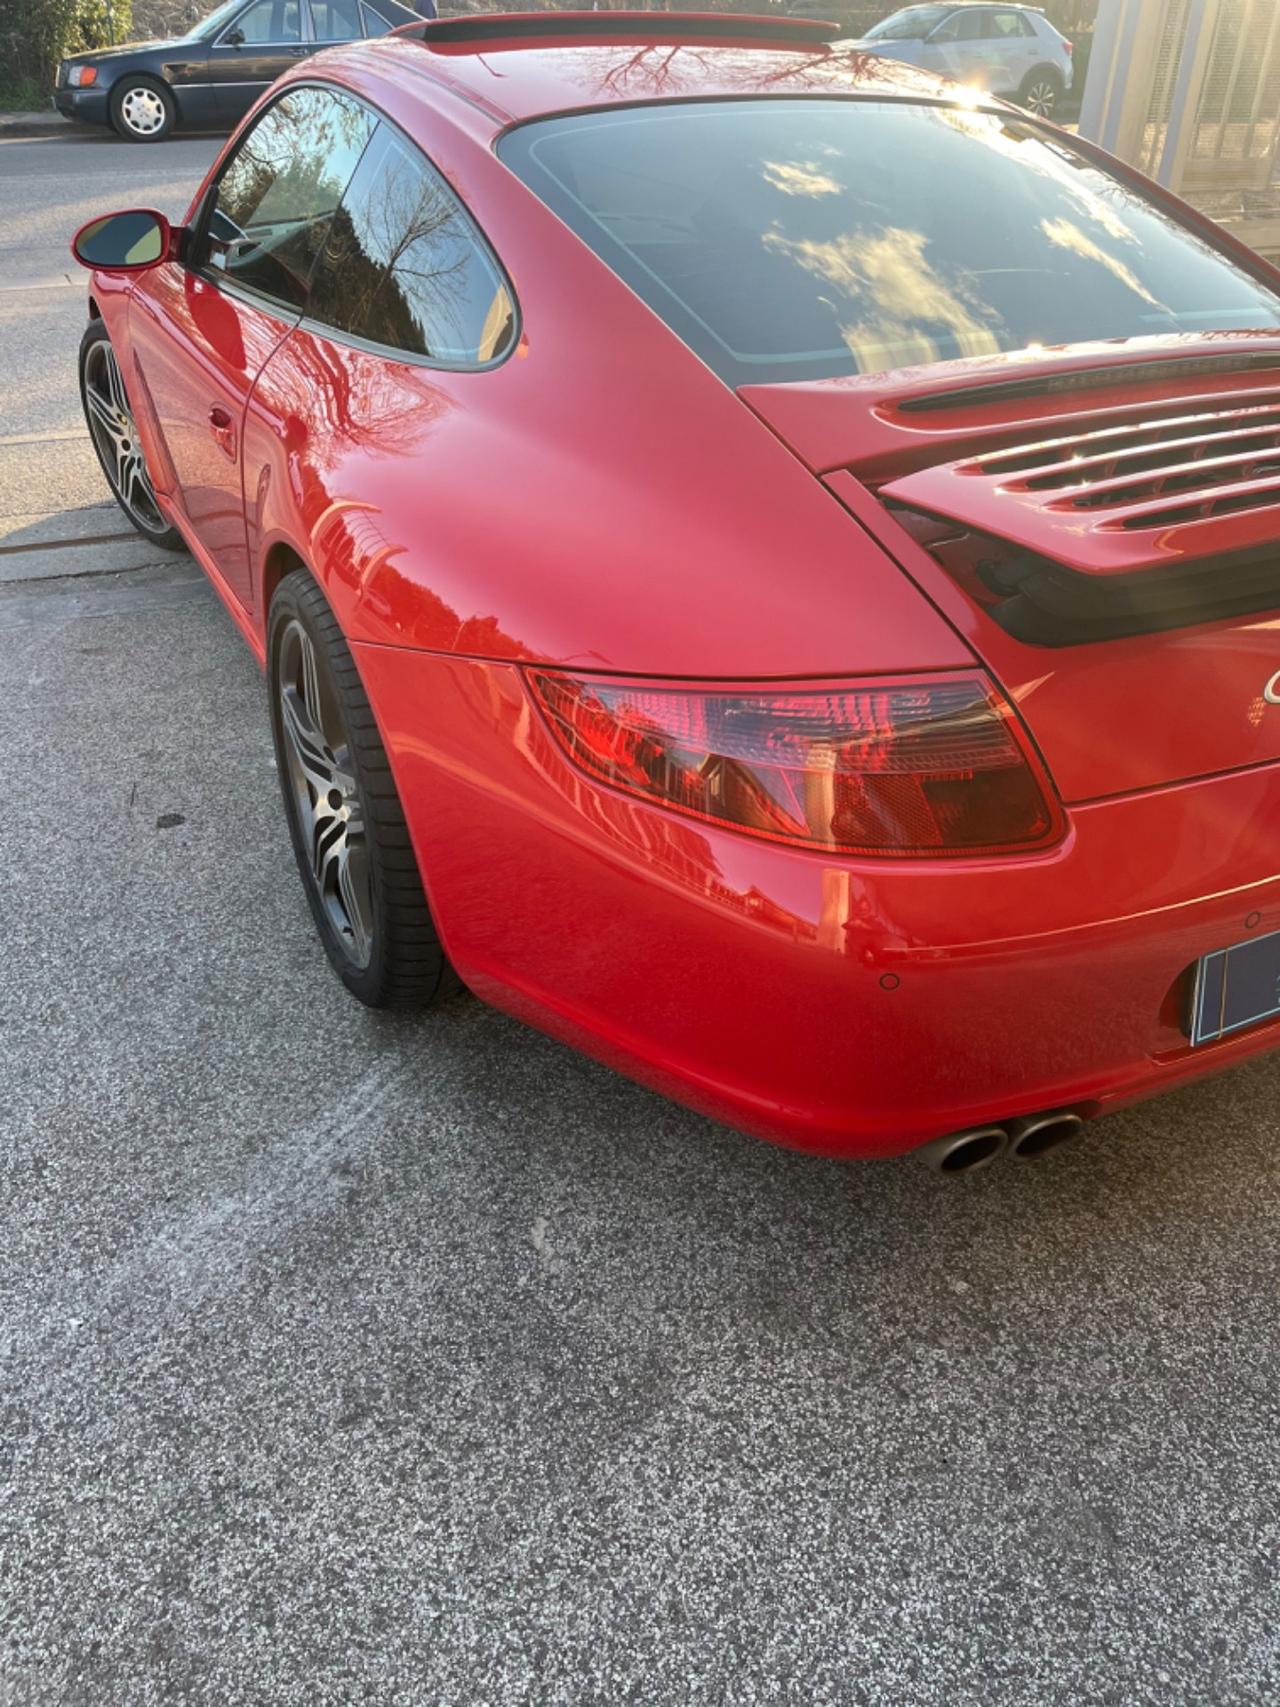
x=186 y=71
x=203 y=331
x=263 y=42
x=199 y=350
x=959 y=49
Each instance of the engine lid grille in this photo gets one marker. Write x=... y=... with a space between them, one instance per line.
x=1162 y=486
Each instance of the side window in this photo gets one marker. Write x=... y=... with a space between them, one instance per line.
x=403 y=265
x=960 y=26
x=335 y=20
x=1006 y=24
x=277 y=195
x=374 y=23
x=270 y=21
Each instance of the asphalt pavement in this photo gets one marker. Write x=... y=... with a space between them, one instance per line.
x=420 y=1362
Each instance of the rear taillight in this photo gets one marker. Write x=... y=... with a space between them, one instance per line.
x=931 y=765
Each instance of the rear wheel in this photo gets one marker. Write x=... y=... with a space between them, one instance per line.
x=1041 y=92
x=349 y=834
x=115 y=438
x=142 y=110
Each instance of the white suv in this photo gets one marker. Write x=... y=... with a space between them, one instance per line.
x=1008 y=50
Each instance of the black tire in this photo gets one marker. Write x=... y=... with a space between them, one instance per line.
x=1041 y=92
x=377 y=930
x=115 y=442
x=142 y=109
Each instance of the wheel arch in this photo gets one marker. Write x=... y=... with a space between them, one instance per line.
x=279 y=551
x=280 y=560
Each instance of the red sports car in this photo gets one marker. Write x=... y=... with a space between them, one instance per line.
x=767 y=564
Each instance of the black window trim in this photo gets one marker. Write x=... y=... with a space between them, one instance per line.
x=298 y=317
x=951 y=17
x=367 y=11
x=336 y=41
x=304 y=30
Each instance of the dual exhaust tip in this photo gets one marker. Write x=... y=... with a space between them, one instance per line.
x=967 y=1152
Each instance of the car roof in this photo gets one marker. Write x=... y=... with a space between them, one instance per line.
x=517 y=66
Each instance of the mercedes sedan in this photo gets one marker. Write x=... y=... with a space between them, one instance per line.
x=210 y=77
x=767 y=566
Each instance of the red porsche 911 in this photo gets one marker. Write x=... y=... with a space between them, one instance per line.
x=767 y=564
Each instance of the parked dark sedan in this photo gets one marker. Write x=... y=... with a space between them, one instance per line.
x=213 y=75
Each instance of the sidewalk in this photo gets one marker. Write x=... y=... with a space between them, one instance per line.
x=33 y=123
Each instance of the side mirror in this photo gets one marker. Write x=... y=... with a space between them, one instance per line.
x=234 y=38
x=124 y=242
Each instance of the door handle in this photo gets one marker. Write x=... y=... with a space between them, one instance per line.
x=223 y=429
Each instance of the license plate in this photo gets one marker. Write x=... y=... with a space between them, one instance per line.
x=1235 y=987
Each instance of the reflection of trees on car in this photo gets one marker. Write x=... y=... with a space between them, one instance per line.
x=402 y=265
x=387 y=288
x=282 y=188
x=323 y=208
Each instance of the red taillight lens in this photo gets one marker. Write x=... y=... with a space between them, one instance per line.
x=936 y=765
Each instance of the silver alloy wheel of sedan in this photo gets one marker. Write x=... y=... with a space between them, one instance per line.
x=115 y=437
x=143 y=111
x=326 y=793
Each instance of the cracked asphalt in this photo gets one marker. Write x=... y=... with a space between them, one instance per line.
x=418 y=1361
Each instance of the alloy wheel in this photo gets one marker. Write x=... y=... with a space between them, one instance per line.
x=1041 y=99
x=143 y=111
x=325 y=794
x=115 y=437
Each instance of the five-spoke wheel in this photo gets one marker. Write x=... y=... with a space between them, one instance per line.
x=349 y=833
x=115 y=437
x=326 y=798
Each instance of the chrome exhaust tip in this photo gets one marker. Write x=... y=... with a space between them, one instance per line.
x=964 y=1152
x=1037 y=1134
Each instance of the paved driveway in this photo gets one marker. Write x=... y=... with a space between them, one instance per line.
x=418 y=1361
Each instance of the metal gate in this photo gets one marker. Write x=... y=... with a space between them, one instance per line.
x=1190 y=91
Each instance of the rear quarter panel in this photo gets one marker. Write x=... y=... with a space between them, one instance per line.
x=599 y=499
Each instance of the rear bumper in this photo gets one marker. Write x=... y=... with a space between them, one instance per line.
x=87 y=105
x=847 y=1007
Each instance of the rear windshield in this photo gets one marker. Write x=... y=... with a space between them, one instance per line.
x=804 y=239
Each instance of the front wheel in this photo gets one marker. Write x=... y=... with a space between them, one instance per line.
x=348 y=830
x=142 y=110
x=115 y=438
x=1041 y=93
